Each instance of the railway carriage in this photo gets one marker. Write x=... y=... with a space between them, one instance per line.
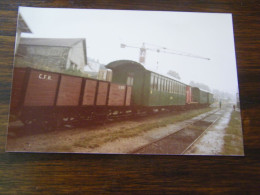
x=51 y=99
x=203 y=98
x=149 y=89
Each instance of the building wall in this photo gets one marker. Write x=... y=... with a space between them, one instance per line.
x=43 y=57
x=105 y=75
x=76 y=57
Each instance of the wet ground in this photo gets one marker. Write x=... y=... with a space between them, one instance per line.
x=212 y=141
x=177 y=142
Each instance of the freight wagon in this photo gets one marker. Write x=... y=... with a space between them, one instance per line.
x=47 y=98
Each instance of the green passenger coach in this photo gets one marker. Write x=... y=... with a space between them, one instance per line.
x=149 y=89
x=201 y=96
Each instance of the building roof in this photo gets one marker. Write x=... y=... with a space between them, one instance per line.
x=22 y=25
x=50 y=42
x=55 y=42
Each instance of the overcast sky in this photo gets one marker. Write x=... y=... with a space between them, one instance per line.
x=205 y=34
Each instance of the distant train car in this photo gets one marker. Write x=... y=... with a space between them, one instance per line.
x=149 y=88
x=201 y=96
x=210 y=98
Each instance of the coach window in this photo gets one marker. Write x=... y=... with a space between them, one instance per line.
x=152 y=81
x=167 y=85
x=163 y=84
x=156 y=82
x=130 y=80
x=159 y=83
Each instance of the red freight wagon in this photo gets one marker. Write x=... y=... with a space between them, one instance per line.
x=42 y=96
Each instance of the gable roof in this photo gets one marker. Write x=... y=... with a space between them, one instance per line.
x=55 y=42
x=50 y=42
x=22 y=25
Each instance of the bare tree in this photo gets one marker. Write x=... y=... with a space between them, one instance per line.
x=174 y=74
x=200 y=85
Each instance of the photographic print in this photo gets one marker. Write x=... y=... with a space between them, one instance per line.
x=124 y=82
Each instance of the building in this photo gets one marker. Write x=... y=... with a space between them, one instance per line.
x=22 y=27
x=104 y=74
x=52 y=53
x=97 y=70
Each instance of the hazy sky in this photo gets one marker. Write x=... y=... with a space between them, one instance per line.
x=205 y=34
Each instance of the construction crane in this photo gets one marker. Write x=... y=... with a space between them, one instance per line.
x=158 y=49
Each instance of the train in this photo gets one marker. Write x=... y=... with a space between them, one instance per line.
x=49 y=99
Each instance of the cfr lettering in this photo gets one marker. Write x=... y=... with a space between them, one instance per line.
x=45 y=76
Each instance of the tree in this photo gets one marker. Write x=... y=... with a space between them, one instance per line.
x=200 y=85
x=174 y=74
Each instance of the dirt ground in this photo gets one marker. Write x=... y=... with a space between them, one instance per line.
x=67 y=140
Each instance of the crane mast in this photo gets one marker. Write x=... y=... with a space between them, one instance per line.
x=158 y=49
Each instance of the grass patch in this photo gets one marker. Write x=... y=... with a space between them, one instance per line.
x=105 y=137
x=233 y=139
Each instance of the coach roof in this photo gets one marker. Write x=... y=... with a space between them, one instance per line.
x=116 y=64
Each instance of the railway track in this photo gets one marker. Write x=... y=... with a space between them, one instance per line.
x=21 y=130
x=180 y=141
